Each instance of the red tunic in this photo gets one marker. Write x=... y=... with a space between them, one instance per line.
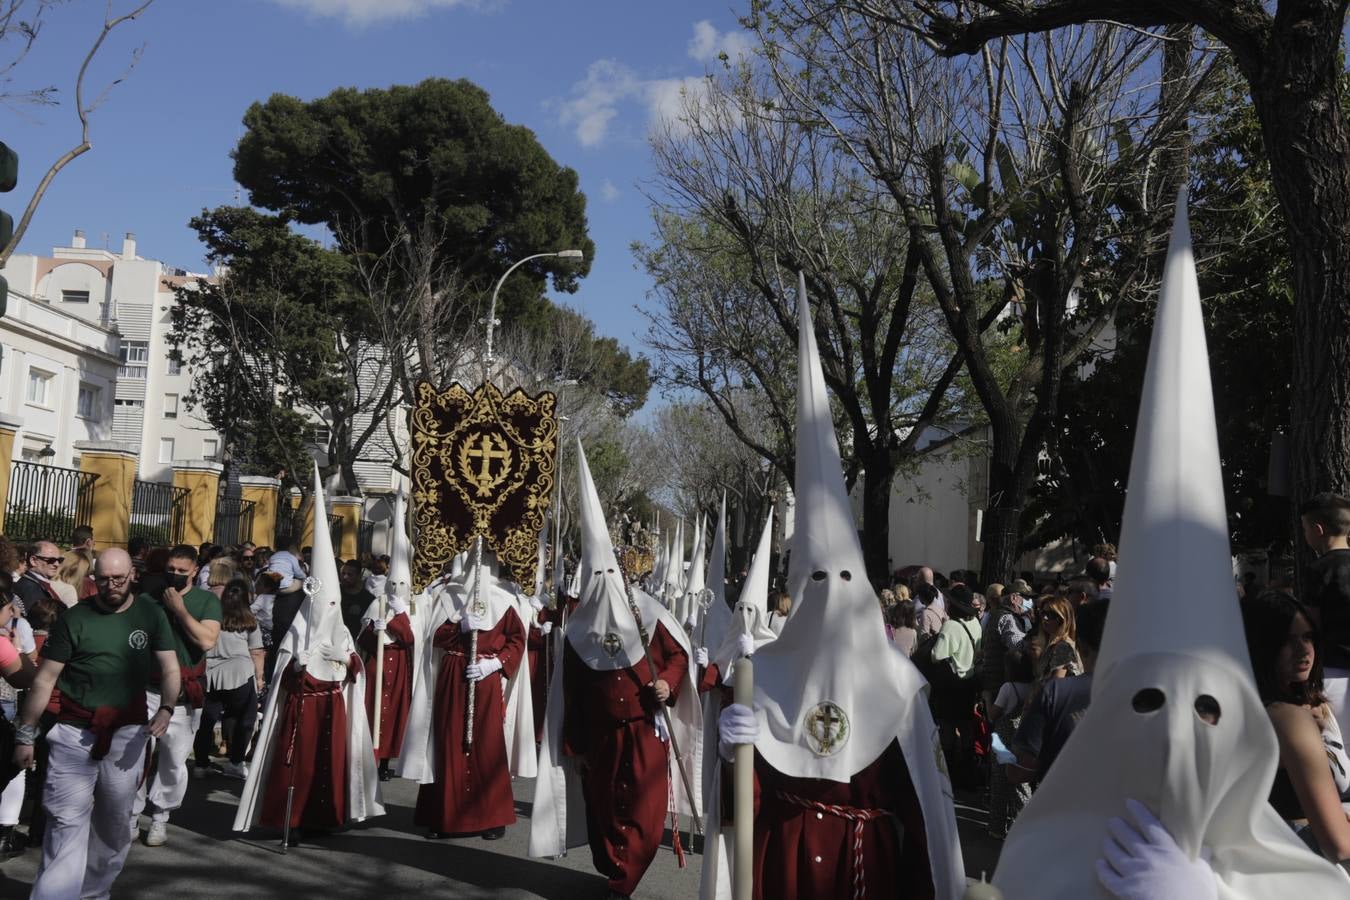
x=396 y=697
x=608 y=720
x=310 y=752
x=711 y=678
x=537 y=645
x=472 y=791
x=809 y=853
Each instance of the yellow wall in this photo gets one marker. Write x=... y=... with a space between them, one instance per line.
x=8 y=429
x=349 y=508
x=115 y=468
x=262 y=492
x=202 y=480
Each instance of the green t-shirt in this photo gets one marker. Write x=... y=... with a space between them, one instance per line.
x=108 y=656
x=204 y=606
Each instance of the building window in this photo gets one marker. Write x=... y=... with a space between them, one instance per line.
x=136 y=403
x=175 y=365
x=166 y=450
x=210 y=448
x=317 y=434
x=39 y=386
x=74 y=296
x=135 y=355
x=170 y=406
x=88 y=405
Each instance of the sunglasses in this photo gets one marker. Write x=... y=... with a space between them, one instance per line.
x=1052 y=616
x=49 y=560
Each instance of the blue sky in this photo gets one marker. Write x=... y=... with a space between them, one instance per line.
x=588 y=77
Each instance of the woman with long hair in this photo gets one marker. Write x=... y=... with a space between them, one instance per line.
x=73 y=582
x=234 y=677
x=222 y=570
x=1314 y=772
x=904 y=624
x=1054 y=644
x=780 y=604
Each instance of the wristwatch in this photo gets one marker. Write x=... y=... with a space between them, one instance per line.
x=164 y=706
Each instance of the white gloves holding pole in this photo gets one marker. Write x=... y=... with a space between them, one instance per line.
x=736 y=725
x=701 y=656
x=483 y=668
x=1141 y=861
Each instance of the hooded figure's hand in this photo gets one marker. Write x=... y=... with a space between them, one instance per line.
x=1141 y=861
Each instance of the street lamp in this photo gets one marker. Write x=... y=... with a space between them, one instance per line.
x=492 y=307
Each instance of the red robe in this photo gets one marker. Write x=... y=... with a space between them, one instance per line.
x=607 y=720
x=397 y=693
x=472 y=791
x=809 y=853
x=310 y=753
x=537 y=644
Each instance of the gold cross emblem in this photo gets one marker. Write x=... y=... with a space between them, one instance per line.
x=479 y=446
x=612 y=644
x=826 y=728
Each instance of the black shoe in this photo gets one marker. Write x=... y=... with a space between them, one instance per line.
x=385 y=774
x=12 y=842
x=495 y=834
x=437 y=835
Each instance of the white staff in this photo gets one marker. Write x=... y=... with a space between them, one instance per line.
x=743 y=869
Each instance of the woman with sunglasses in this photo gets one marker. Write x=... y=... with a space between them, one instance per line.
x=1054 y=648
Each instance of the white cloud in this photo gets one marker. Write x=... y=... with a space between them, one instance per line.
x=708 y=44
x=357 y=13
x=608 y=192
x=596 y=100
x=668 y=100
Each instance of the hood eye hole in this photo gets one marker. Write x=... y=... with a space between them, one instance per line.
x=1207 y=708
x=610 y=571
x=817 y=576
x=846 y=575
x=598 y=572
x=1148 y=700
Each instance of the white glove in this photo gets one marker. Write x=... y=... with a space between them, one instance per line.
x=701 y=656
x=333 y=654
x=736 y=725
x=301 y=661
x=397 y=605
x=1141 y=861
x=662 y=732
x=745 y=645
x=536 y=603
x=545 y=628
x=377 y=624
x=482 y=669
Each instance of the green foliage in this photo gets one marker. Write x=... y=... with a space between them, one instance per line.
x=428 y=159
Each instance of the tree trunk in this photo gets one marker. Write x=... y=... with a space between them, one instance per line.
x=1298 y=102
x=1001 y=530
x=878 y=471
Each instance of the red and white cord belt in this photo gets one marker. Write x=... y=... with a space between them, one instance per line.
x=859 y=818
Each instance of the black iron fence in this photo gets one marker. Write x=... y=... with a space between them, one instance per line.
x=158 y=512
x=234 y=521
x=365 y=540
x=291 y=527
x=335 y=532
x=47 y=502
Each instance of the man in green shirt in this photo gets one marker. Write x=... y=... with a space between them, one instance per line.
x=99 y=654
x=194 y=623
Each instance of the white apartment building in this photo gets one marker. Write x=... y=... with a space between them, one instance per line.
x=130 y=299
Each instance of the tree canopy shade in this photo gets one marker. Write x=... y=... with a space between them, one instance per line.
x=430 y=165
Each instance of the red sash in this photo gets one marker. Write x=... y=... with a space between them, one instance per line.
x=103 y=721
x=191 y=688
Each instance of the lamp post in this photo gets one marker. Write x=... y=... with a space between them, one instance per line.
x=492 y=307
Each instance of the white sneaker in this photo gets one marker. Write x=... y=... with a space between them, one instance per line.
x=135 y=827
x=158 y=835
x=231 y=770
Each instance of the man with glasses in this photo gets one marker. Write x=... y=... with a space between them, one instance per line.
x=44 y=559
x=99 y=654
x=194 y=616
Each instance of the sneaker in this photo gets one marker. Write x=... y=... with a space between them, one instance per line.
x=235 y=770
x=135 y=827
x=158 y=835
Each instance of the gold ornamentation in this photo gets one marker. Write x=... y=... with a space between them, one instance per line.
x=612 y=644
x=483 y=463
x=826 y=728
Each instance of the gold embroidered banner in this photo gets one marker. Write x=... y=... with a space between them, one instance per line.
x=482 y=463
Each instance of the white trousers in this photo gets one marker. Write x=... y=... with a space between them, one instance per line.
x=11 y=801
x=167 y=784
x=1336 y=685
x=88 y=801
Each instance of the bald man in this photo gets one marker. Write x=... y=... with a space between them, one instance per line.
x=99 y=654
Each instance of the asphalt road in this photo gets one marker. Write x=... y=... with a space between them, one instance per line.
x=384 y=857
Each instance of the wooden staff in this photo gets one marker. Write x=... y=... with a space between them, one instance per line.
x=744 y=773
x=665 y=713
x=379 y=672
x=473 y=640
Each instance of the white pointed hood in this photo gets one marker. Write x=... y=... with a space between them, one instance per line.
x=322 y=612
x=602 y=630
x=674 y=587
x=715 y=621
x=399 y=582
x=1174 y=627
x=751 y=613
x=474 y=605
x=691 y=606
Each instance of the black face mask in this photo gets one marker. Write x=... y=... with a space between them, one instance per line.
x=176 y=580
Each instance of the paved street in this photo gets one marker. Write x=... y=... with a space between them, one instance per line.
x=388 y=856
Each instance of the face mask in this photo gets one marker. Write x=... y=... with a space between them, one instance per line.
x=1027 y=604
x=176 y=580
